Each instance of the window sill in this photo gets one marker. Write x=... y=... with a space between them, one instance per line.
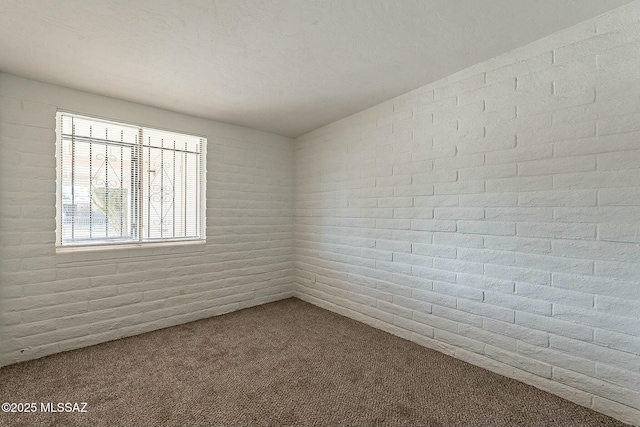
x=116 y=252
x=121 y=246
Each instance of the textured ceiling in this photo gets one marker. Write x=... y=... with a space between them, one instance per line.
x=284 y=66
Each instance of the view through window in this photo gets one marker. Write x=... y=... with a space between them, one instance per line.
x=119 y=183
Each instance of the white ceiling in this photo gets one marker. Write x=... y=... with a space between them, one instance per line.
x=283 y=66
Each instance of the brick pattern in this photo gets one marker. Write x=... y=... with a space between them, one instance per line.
x=54 y=302
x=493 y=215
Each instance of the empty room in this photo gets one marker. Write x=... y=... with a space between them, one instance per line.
x=320 y=212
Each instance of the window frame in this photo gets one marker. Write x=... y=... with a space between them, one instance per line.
x=139 y=240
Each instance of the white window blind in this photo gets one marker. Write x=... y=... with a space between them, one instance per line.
x=119 y=183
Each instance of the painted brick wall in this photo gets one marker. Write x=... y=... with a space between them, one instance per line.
x=493 y=215
x=54 y=302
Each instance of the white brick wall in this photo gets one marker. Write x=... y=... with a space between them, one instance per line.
x=54 y=302
x=493 y=215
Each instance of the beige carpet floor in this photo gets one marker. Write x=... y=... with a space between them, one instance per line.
x=285 y=363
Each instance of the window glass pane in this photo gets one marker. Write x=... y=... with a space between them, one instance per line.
x=96 y=192
x=171 y=193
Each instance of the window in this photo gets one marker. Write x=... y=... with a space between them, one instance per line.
x=119 y=183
